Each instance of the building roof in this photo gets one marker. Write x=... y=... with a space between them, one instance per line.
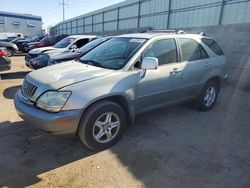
x=18 y=15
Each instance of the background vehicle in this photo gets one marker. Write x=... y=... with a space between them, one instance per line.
x=5 y=62
x=21 y=43
x=38 y=58
x=62 y=57
x=10 y=47
x=99 y=95
x=7 y=37
x=46 y=41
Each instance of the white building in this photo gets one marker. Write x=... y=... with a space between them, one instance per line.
x=27 y=24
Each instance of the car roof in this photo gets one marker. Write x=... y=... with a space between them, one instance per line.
x=150 y=35
x=82 y=36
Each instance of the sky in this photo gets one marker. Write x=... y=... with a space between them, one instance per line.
x=51 y=10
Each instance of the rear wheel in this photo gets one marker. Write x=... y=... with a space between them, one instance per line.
x=102 y=125
x=208 y=96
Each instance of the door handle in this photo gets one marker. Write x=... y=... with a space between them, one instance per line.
x=208 y=64
x=175 y=71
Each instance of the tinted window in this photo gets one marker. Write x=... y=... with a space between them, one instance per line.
x=80 y=43
x=213 y=46
x=65 y=42
x=45 y=39
x=165 y=50
x=92 y=44
x=191 y=50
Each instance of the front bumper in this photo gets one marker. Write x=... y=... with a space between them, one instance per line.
x=64 y=122
x=32 y=61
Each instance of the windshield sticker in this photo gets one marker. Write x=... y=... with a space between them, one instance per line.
x=136 y=40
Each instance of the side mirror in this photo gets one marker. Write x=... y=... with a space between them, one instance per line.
x=149 y=63
x=73 y=47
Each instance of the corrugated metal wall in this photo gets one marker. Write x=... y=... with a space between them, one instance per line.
x=159 y=14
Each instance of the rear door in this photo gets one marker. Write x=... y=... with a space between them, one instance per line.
x=195 y=63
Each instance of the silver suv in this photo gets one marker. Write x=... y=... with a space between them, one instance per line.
x=101 y=93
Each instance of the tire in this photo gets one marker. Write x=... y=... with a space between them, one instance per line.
x=11 y=52
x=208 y=96
x=89 y=129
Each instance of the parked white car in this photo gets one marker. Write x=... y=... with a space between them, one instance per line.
x=35 y=58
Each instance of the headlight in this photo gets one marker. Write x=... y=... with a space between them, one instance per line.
x=40 y=59
x=43 y=56
x=53 y=101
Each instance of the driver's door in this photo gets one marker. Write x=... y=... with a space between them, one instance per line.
x=161 y=86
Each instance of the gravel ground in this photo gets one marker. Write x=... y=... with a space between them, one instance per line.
x=172 y=147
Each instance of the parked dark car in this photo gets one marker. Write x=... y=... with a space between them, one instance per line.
x=22 y=43
x=38 y=58
x=46 y=41
x=5 y=62
x=55 y=59
x=11 y=48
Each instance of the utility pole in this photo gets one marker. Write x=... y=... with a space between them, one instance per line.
x=63 y=5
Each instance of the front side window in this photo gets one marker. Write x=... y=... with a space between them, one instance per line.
x=65 y=42
x=164 y=50
x=191 y=50
x=114 y=53
x=213 y=45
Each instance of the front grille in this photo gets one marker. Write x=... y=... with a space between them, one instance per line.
x=28 y=89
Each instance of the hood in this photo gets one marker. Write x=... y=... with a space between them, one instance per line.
x=41 y=50
x=7 y=44
x=63 y=74
x=65 y=56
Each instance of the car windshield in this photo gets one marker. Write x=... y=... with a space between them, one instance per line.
x=65 y=42
x=45 y=39
x=37 y=39
x=113 y=54
x=89 y=46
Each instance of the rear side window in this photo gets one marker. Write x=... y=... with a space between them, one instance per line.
x=80 y=43
x=164 y=50
x=212 y=44
x=191 y=50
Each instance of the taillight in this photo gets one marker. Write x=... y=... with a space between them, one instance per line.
x=3 y=53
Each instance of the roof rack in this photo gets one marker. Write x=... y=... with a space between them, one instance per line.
x=165 y=31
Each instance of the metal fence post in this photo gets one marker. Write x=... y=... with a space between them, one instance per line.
x=139 y=14
x=71 y=29
x=83 y=25
x=103 y=21
x=77 y=26
x=92 y=25
x=169 y=12
x=221 y=11
x=118 y=18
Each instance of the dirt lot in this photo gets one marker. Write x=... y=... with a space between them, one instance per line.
x=171 y=147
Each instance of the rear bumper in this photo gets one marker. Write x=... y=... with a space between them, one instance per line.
x=64 y=122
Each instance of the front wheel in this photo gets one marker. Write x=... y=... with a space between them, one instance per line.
x=208 y=96
x=102 y=125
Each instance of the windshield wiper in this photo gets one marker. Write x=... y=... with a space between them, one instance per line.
x=92 y=62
